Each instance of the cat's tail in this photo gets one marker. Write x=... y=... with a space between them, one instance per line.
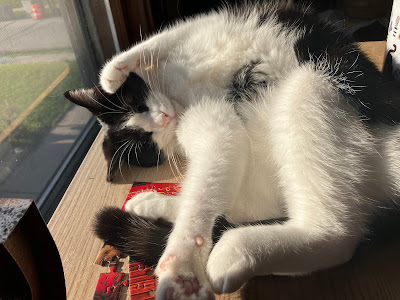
x=143 y=240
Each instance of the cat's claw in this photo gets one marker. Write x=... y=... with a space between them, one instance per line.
x=113 y=75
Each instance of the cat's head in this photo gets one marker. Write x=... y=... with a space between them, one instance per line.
x=139 y=124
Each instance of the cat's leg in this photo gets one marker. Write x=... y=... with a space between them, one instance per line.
x=321 y=149
x=151 y=53
x=153 y=206
x=215 y=143
x=289 y=249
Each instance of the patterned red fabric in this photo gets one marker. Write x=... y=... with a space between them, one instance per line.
x=142 y=281
x=109 y=285
x=161 y=188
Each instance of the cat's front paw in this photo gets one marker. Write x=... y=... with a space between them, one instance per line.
x=114 y=74
x=230 y=265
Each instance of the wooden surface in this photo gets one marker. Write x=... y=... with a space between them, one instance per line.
x=373 y=273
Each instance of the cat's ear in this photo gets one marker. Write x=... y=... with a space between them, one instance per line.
x=85 y=97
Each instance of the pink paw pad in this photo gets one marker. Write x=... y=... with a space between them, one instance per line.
x=189 y=286
x=164 y=262
x=123 y=68
x=199 y=241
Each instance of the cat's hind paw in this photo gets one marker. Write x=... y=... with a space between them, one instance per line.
x=183 y=288
x=181 y=272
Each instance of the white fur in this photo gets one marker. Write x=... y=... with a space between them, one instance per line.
x=296 y=151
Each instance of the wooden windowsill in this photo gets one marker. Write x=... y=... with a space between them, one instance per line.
x=373 y=273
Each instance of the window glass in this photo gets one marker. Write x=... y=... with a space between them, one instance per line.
x=38 y=126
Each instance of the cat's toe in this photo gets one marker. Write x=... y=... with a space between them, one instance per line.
x=183 y=288
x=229 y=266
x=179 y=278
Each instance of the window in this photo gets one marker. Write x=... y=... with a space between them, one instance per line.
x=46 y=48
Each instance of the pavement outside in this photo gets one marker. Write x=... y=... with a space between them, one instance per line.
x=25 y=171
x=31 y=35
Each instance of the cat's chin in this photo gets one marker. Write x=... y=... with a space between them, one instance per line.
x=166 y=137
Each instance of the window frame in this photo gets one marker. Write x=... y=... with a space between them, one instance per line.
x=93 y=43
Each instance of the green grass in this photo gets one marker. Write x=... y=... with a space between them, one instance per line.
x=20 y=15
x=22 y=84
x=37 y=52
x=13 y=3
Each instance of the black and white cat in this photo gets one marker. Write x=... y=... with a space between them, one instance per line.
x=279 y=115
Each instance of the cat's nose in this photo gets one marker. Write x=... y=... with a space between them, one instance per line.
x=166 y=119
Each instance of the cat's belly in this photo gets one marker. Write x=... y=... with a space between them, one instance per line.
x=259 y=198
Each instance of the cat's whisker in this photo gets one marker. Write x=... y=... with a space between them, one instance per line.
x=149 y=80
x=174 y=160
x=158 y=71
x=180 y=164
x=120 y=162
x=122 y=100
x=109 y=99
x=351 y=51
x=140 y=145
x=154 y=74
x=146 y=69
x=358 y=55
x=158 y=158
x=170 y=165
x=112 y=159
x=111 y=112
x=163 y=74
x=174 y=163
x=136 y=154
x=158 y=56
x=105 y=106
x=140 y=61
x=151 y=58
x=354 y=71
x=129 y=154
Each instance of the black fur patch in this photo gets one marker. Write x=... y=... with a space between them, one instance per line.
x=375 y=99
x=144 y=240
x=112 y=108
x=244 y=83
x=132 y=147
